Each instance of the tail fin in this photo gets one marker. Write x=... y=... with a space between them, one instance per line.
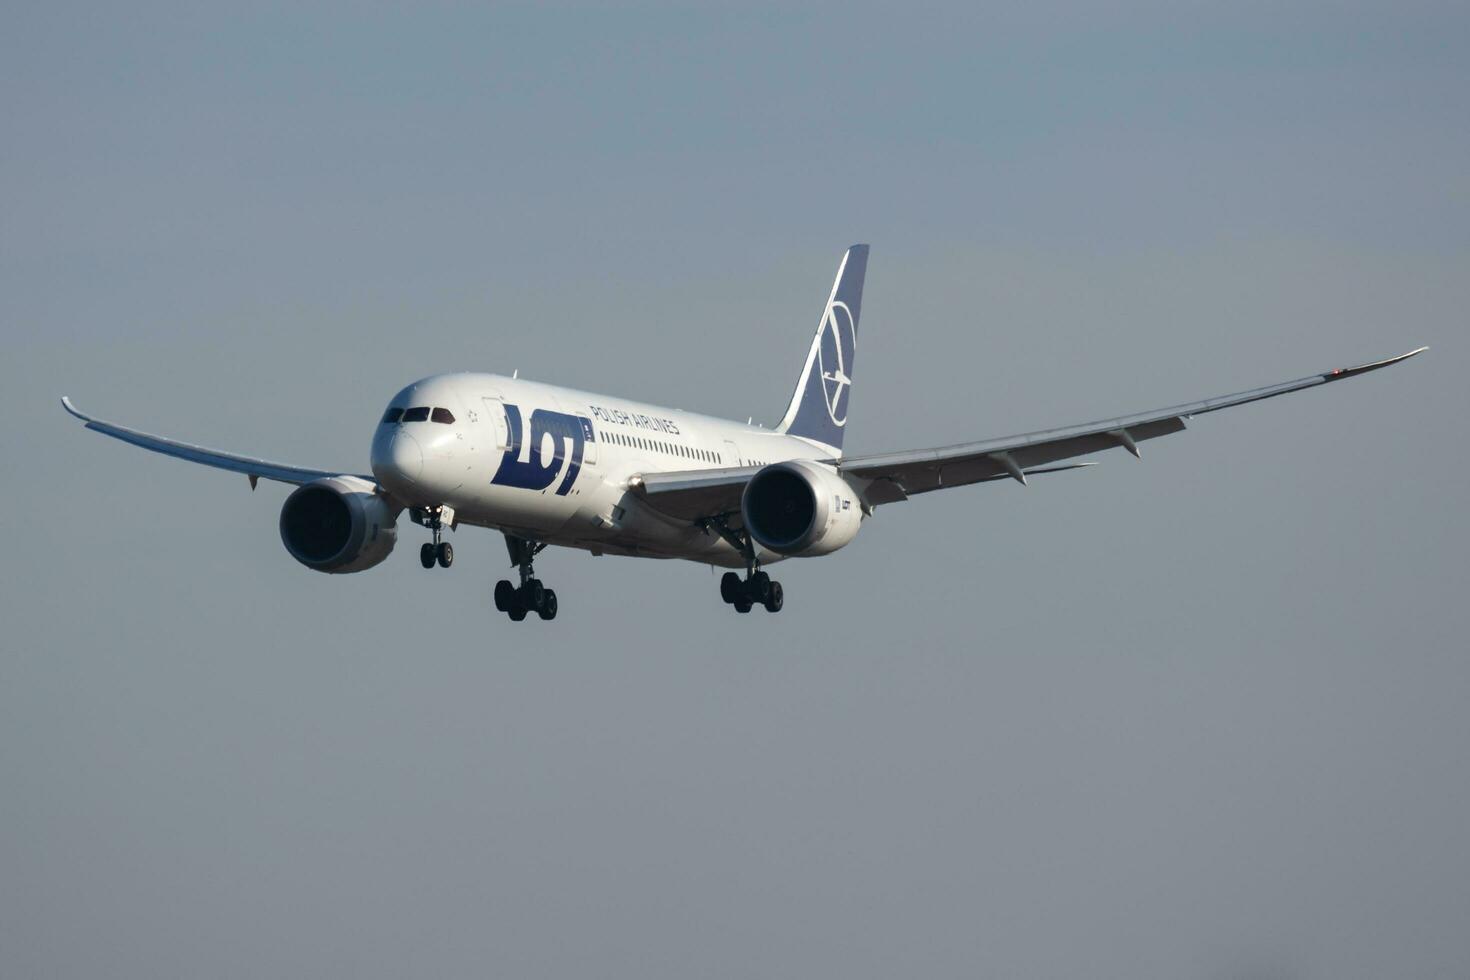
x=818 y=409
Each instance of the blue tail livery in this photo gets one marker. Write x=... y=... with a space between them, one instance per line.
x=818 y=409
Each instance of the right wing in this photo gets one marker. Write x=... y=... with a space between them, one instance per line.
x=898 y=476
x=251 y=467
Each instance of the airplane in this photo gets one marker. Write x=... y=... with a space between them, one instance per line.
x=546 y=465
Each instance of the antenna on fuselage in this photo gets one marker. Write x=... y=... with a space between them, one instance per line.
x=515 y=374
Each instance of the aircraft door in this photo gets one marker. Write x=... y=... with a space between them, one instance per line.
x=494 y=416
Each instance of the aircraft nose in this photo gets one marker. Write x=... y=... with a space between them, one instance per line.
x=398 y=457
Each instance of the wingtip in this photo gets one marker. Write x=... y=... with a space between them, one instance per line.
x=1348 y=372
x=71 y=409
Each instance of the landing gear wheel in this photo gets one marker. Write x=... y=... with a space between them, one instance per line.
x=530 y=596
x=426 y=555
x=759 y=586
x=445 y=554
x=730 y=587
x=775 y=598
x=742 y=605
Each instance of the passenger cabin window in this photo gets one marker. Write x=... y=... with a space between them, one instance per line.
x=419 y=414
x=392 y=415
x=443 y=415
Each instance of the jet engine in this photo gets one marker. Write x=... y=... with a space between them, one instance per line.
x=338 y=524
x=800 y=508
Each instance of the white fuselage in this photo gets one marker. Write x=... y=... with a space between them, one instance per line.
x=556 y=465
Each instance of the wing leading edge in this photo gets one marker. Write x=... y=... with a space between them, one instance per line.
x=251 y=467
x=898 y=476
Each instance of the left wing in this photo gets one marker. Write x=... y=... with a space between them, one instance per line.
x=251 y=467
x=898 y=476
x=696 y=494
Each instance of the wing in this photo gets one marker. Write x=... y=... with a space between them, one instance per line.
x=251 y=467
x=693 y=495
x=898 y=476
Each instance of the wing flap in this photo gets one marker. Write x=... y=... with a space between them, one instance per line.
x=892 y=489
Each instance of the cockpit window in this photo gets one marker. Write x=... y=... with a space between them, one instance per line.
x=392 y=415
x=419 y=414
x=442 y=415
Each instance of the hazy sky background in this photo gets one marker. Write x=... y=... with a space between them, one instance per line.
x=1199 y=716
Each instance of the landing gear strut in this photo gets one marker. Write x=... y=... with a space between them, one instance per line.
x=531 y=595
x=757 y=588
x=438 y=551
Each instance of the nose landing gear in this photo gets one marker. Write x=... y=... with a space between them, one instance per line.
x=531 y=595
x=441 y=553
x=437 y=551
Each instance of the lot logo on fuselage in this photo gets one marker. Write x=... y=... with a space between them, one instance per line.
x=569 y=437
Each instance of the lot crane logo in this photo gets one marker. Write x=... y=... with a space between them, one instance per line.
x=569 y=437
x=834 y=359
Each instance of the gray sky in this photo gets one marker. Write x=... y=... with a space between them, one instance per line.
x=1203 y=715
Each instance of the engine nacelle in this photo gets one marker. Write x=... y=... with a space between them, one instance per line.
x=338 y=525
x=800 y=508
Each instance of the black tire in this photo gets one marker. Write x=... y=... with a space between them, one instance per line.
x=742 y=605
x=516 y=613
x=548 y=605
x=426 y=555
x=759 y=586
x=533 y=594
x=446 y=554
x=505 y=596
x=776 y=598
x=730 y=587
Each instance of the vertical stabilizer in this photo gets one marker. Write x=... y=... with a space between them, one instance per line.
x=818 y=409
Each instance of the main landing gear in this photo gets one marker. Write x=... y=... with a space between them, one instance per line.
x=440 y=552
x=757 y=588
x=531 y=596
